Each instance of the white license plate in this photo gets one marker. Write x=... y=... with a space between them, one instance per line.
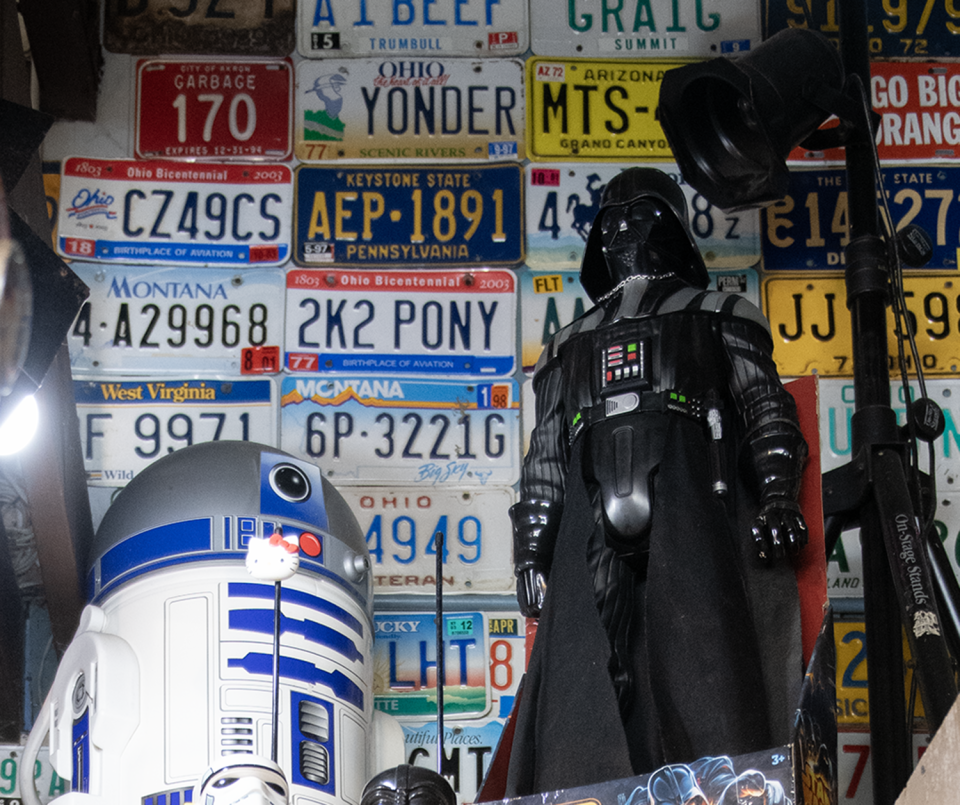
x=121 y=211
x=154 y=320
x=641 y=29
x=411 y=322
x=400 y=431
x=127 y=424
x=47 y=783
x=405 y=647
x=400 y=526
x=563 y=199
x=434 y=109
x=412 y=29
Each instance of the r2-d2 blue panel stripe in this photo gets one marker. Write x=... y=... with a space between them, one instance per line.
x=250 y=590
x=261 y=621
x=262 y=664
x=175 y=543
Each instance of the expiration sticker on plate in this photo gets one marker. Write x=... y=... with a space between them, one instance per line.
x=406 y=647
x=563 y=199
x=412 y=31
x=643 y=29
x=157 y=319
x=421 y=110
x=402 y=216
x=179 y=213
x=127 y=424
x=400 y=524
x=412 y=322
x=400 y=431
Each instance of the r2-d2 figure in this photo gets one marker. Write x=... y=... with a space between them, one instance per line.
x=171 y=670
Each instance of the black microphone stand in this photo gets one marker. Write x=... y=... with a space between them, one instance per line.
x=874 y=490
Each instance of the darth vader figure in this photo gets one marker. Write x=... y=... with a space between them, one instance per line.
x=658 y=501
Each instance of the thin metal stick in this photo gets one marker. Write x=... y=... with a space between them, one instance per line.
x=275 y=724
x=441 y=673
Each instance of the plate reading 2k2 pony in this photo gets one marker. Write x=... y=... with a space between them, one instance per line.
x=396 y=430
x=176 y=213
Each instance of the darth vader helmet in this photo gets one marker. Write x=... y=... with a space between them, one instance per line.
x=641 y=229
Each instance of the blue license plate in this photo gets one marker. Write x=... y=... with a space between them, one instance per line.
x=464 y=215
x=915 y=28
x=808 y=228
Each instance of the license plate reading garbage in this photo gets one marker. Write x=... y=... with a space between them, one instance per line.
x=165 y=319
x=413 y=322
x=127 y=424
x=205 y=109
x=812 y=333
x=218 y=27
x=563 y=199
x=641 y=29
x=425 y=110
x=176 y=213
x=406 y=645
x=590 y=109
x=400 y=431
x=400 y=525
x=409 y=217
x=809 y=227
x=408 y=29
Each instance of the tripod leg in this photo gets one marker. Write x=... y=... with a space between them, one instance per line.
x=913 y=583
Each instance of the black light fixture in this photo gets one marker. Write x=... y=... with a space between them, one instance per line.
x=39 y=295
x=732 y=121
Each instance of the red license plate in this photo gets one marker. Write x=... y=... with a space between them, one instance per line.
x=206 y=109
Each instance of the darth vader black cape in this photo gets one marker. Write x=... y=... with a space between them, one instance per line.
x=719 y=658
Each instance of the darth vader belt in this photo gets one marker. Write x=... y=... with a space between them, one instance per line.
x=637 y=402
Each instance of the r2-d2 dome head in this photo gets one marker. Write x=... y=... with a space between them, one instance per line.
x=207 y=502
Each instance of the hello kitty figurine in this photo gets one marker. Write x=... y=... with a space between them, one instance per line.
x=273 y=559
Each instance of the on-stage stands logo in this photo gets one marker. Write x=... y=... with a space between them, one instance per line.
x=87 y=203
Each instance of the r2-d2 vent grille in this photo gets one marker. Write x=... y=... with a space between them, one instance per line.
x=314 y=763
x=314 y=721
x=236 y=735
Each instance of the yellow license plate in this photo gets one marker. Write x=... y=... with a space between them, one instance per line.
x=811 y=324
x=593 y=109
